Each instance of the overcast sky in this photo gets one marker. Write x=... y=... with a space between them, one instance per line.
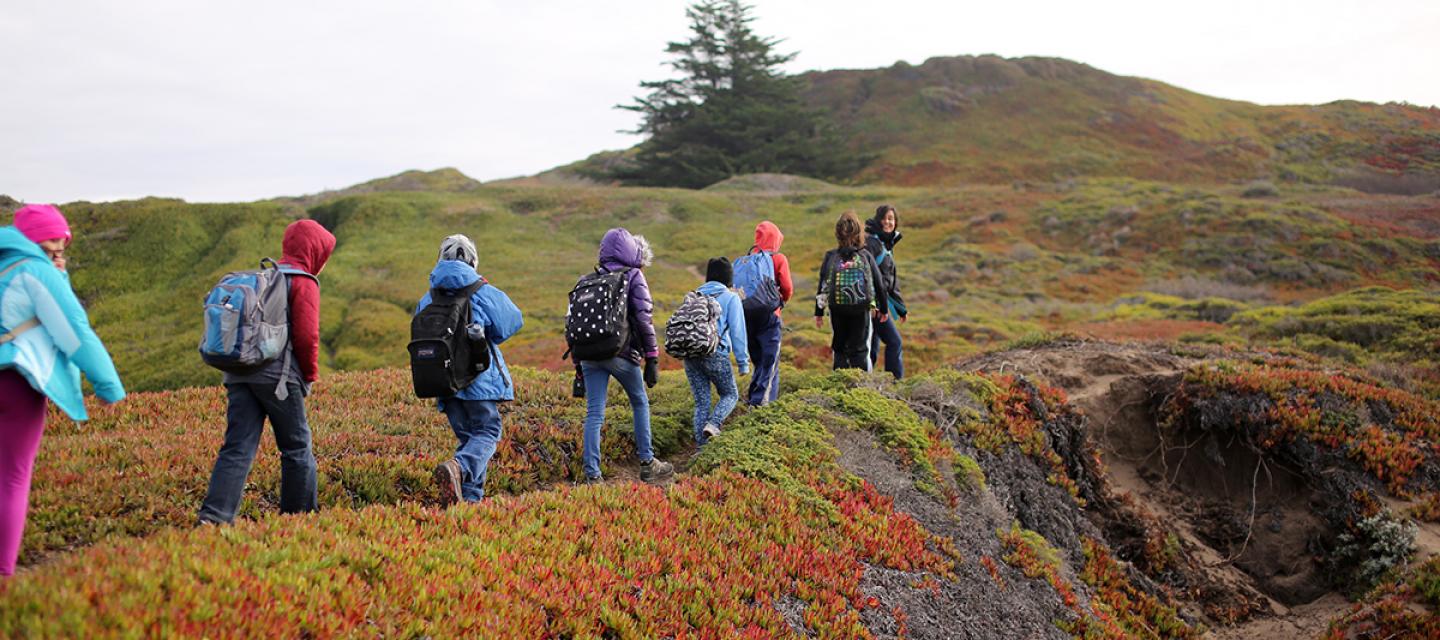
x=222 y=101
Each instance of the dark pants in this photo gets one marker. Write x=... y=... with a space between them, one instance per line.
x=889 y=333
x=250 y=405
x=763 y=338
x=476 y=424
x=851 y=339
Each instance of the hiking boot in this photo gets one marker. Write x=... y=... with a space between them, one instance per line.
x=448 y=476
x=656 y=471
x=592 y=480
x=710 y=431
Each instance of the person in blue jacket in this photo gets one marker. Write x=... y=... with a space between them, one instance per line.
x=715 y=368
x=45 y=343
x=474 y=413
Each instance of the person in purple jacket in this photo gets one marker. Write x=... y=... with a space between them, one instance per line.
x=620 y=250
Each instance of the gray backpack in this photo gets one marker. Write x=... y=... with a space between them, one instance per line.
x=247 y=318
x=694 y=329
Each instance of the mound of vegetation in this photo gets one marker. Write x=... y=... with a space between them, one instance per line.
x=962 y=119
x=1369 y=326
x=770 y=532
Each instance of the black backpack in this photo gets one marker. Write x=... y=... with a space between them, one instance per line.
x=597 y=322
x=444 y=360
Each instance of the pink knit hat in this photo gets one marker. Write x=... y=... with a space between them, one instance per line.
x=41 y=222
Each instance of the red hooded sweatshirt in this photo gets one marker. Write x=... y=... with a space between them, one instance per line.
x=307 y=246
x=768 y=238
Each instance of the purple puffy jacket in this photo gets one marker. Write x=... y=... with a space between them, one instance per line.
x=619 y=250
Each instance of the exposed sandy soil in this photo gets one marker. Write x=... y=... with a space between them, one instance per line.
x=1245 y=526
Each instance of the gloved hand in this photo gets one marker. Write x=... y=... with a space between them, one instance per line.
x=652 y=372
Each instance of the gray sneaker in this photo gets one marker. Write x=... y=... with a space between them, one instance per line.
x=448 y=476
x=710 y=431
x=656 y=471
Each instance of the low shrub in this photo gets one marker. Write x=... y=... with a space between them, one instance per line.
x=1260 y=189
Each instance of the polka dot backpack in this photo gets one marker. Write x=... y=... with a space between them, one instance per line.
x=597 y=323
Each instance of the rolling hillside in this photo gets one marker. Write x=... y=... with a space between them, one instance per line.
x=985 y=119
x=981 y=265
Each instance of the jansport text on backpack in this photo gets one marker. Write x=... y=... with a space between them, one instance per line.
x=444 y=358
x=693 y=331
x=597 y=323
x=755 y=278
x=247 y=318
x=849 y=284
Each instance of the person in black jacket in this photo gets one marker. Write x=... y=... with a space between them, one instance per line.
x=852 y=289
x=882 y=233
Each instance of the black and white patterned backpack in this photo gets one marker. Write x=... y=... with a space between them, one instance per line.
x=597 y=325
x=693 y=331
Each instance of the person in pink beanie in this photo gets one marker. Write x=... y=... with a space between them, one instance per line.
x=45 y=344
x=44 y=225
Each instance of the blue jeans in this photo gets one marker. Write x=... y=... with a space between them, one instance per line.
x=250 y=405
x=889 y=333
x=702 y=372
x=476 y=424
x=763 y=338
x=597 y=375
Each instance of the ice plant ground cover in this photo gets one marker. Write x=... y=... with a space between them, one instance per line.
x=142 y=466
x=707 y=559
x=712 y=554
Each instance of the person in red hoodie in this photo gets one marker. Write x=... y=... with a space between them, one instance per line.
x=764 y=333
x=277 y=391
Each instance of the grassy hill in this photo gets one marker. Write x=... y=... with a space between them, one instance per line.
x=981 y=265
x=987 y=119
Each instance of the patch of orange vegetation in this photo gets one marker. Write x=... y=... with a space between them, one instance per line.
x=1101 y=285
x=1146 y=329
x=1390 y=216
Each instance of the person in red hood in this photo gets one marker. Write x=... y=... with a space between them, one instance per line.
x=764 y=334
x=277 y=391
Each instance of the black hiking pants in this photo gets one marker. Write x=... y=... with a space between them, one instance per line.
x=851 y=337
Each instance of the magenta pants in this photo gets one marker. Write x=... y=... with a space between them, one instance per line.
x=22 y=420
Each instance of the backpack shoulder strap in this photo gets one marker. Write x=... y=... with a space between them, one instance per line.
x=16 y=264
x=289 y=270
x=464 y=292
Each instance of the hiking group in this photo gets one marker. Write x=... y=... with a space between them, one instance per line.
x=262 y=329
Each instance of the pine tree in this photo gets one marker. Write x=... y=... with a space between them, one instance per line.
x=733 y=112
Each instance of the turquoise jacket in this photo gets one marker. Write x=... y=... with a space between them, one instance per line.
x=731 y=324
x=52 y=355
x=490 y=308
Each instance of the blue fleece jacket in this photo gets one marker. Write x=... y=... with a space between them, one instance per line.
x=732 y=322
x=491 y=308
